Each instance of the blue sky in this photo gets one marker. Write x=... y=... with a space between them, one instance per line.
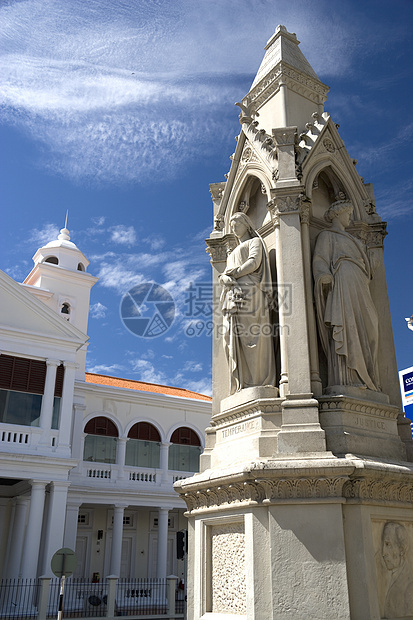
x=122 y=112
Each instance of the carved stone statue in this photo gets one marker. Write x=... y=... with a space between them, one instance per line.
x=395 y=546
x=347 y=317
x=245 y=303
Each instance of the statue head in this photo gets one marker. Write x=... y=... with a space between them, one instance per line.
x=242 y=217
x=338 y=207
x=395 y=544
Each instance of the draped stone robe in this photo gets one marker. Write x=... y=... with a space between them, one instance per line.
x=248 y=332
x=347 y=317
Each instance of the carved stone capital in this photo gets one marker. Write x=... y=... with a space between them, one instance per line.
x=217 y=190
x=218 y=249
x=285 y=136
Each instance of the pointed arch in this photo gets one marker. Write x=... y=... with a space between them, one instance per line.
x=253 y=192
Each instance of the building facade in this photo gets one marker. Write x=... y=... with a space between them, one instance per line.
x=86 y=461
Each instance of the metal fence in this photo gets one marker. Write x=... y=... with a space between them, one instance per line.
x=18 y=598
x=39 y=598
x=141 y=596
x=81 y=598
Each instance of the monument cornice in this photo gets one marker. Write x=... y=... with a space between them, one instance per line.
x=296 y=81
x=272 y=482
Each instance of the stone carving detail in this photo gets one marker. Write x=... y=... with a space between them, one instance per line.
x=228 y=569
x=246 y=154
x=378 y=489
x=245 y=303
x=394 y=563
x=218 y=222
x=217 y=190
x=217 y=253
x=328 y=145
x=271 y=490
x=347 y=318
x=297 y=82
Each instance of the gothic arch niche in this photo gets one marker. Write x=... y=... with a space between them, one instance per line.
x=327 y=188
x=253 y=200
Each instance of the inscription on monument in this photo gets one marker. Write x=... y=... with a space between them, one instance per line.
x=238 y=429
x=370 y=424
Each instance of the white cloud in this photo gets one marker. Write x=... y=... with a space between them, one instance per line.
x=118 y=277
x=146 y=372
x=97 y=310
x=116 y=90
x=41 y=236
x=192 y=366
x=203 y=386
x=125 y=235
x=102 y=369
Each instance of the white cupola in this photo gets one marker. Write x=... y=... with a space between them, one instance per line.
x=59 y=278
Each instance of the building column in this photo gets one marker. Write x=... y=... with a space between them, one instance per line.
x=55 y=523
x=77 y=435
x=46 y=411
x=72 y=515
x=117 y=536
x=162 y=553
x=31 y=545
x=120 y=455
x=16 y=538
x=66 y=406
x=164 y=456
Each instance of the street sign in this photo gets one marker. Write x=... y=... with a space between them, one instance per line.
x=64 y=562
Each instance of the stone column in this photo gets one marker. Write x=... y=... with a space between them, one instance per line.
x=56 y=513
x=31 y=545
x=117 y=536
x=46 y=412
x=17 y=538
x=164 y=460
x=66 y=406
x=316 y=386
x=120 y=455
x=301 y=430
x=72 y=514
x=162 y=554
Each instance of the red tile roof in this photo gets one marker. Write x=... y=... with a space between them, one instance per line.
x=142 y=386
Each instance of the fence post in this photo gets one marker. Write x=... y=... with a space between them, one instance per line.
x=112 y=584
x=43 y=598
x=172 y=581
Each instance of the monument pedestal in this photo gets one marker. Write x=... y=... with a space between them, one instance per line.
x=298 y=539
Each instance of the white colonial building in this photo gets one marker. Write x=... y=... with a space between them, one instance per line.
x=86 y=461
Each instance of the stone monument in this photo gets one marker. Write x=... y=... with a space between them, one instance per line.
x=303 y=506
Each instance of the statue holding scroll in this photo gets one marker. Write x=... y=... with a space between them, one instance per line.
x=245 y=303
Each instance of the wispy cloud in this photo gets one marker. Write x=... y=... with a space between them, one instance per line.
x=105 y=369
x=41 y=236
x=116 y=90
x=97 y=311
x=125 y=235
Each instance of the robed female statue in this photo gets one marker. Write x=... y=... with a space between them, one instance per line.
x=347 y=317
x=245 y=303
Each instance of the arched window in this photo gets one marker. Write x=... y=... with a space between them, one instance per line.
x=100 y=440
x=143 y=446
x=185 y=450
x=65 y=310
x=81 y=267
x=52 y=259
